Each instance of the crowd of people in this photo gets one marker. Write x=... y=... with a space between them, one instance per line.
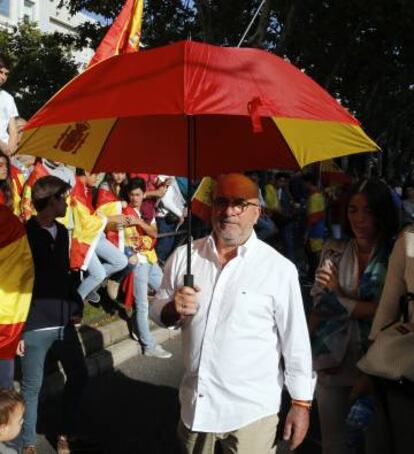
x=244 y=328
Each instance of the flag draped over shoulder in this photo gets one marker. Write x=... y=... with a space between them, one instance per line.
x=16 y=277
x=124 y=35
x=108 y=204
x=201 y=201
x=87 y=227
x=136 y=238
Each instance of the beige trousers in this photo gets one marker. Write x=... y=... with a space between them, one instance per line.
x=256 y=438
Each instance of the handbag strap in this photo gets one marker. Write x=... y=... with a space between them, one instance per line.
x=404 y=304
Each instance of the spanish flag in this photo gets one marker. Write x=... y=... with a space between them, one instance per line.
x=108 y=204
x=124 y=35
x=15 y=188
x=201 y=201
x=316 y=220
x=136 y=237
x=87 y=227
x=17 y=178
x=332 y=174
x=16 y=281
x=27 y=209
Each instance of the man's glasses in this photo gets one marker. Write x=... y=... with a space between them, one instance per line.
x=239 y=206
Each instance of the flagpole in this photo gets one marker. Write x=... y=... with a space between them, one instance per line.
x=251 y=23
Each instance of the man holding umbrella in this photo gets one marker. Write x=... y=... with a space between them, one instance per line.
x=241 y=318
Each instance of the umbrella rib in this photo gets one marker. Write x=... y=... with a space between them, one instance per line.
x=104 y=145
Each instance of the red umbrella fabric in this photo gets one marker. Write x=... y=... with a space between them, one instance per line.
x=251 y=110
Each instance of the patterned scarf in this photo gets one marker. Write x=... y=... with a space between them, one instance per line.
x=332 y=338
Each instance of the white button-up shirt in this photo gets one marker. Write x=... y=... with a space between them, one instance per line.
x=250 y=315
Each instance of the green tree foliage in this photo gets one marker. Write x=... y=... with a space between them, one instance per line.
x=176 y=18
x=41 y=65
x=362 y=52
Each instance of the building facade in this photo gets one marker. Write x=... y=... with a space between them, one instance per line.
x=49 y=18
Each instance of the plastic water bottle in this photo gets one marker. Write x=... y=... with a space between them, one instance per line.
x=357 y=421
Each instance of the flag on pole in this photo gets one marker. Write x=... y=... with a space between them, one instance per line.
x=16 y=277
x=201 y=201
x=124 y=35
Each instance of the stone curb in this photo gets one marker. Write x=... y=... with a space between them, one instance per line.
x=105 y=348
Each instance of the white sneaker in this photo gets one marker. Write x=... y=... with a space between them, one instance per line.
x=158 y=352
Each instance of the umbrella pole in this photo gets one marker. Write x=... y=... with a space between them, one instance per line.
x=189 y=278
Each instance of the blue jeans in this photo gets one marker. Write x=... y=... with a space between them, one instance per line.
x=114 y=259
x=165 y=245
x=6 y=373
x=145 y=275
x=64 y=342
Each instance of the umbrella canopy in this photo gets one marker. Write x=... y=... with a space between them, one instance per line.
x=249 y=109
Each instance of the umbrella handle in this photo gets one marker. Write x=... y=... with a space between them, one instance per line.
x=189 y=280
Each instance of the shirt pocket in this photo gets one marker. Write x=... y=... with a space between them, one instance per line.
x=252 y=310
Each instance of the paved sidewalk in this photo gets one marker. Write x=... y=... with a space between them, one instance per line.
x=105 y=349
x=133 y=409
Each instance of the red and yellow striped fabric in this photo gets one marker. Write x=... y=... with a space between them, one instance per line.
x=135 y=236
x=201 y=201
x=17 y=177
x=108 y=204
x=124 y=35
x=27 y=209
x=332 y=174
x=225 y=90
x=316 y=220
x=17 y=188
x=87 y=227
x=16 y=277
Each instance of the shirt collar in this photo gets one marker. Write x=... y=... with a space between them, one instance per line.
x=242 y=250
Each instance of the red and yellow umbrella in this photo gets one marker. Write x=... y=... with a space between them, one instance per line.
x=247 y=108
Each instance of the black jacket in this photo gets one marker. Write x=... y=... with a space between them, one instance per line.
x=54 y=297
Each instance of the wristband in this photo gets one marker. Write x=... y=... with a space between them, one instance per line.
x=302 y=403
